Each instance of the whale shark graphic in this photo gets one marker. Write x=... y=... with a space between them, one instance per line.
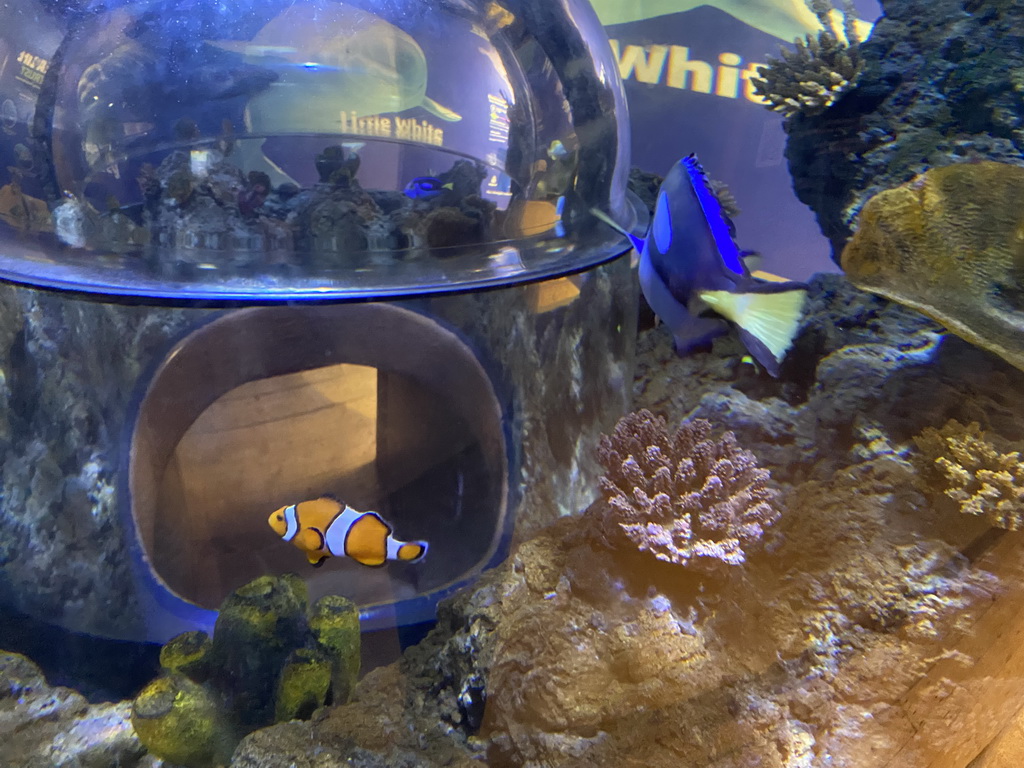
x=330 y=59
x=784 y=19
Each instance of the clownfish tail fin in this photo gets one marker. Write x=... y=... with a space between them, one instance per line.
x=412 y=551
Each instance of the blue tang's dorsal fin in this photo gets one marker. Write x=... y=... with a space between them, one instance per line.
x=718 y=222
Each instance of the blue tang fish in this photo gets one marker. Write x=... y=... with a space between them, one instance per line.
x=426 y=187
x=689 y=264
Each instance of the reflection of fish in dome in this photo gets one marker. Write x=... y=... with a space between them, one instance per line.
x=127 y=92
x=332 y=59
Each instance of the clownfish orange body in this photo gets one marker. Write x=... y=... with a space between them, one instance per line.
x=324 y=527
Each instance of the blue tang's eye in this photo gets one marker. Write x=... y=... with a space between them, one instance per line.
x=662 y=227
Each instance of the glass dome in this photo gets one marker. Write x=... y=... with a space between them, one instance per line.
x=280 y=150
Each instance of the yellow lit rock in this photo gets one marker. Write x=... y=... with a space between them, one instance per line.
x=334 y=622
x=303 y=686
x=950 y=244
x=187 y=653
x=179 y=721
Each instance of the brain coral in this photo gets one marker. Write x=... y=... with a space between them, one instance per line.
x=950 y=244
x=686 y=498
x=972 y=472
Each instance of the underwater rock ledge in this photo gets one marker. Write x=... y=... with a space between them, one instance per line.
x=864 y=376
x=571 y=654
x=43 y=725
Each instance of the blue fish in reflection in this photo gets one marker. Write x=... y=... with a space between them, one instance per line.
x=426 y=187
x=690 y=267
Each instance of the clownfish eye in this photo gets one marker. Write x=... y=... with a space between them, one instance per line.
x=280 y=518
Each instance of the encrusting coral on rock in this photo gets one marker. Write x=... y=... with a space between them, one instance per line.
x=948 y=244
x=809 y=79
x=686 y=498
x=971 y=471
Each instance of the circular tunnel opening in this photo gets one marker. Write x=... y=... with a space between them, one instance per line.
x=374 y=404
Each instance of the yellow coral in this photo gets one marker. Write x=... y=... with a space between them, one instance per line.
x=950 y=244
x=980 y=479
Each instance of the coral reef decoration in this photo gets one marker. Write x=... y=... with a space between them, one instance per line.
x=338 y=166
x=687 y=498
x=971 y=470
x=272 y=659
x=254 y=193
x=949 y=244
x=820 y=69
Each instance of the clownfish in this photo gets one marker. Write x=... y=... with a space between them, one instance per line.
x=325 y=526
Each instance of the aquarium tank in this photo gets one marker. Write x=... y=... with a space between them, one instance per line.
x=376 y=390
x=266 y=150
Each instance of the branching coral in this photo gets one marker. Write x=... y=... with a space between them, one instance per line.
x=686 y=498
x=810 y=78
x=980 y=479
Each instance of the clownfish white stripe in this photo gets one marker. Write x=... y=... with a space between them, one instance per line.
x=338 y=529
x=291 y=517
x=393 y=547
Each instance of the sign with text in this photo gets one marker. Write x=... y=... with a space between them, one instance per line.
x=687 y=69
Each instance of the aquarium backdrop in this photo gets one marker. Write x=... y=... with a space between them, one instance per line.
x=686 y=68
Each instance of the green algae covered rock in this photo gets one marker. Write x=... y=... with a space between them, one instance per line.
x=304 y=684
x=181 y=722
x=271 y=659
x=187 y=653
x=334 y=622
x=259 y=624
